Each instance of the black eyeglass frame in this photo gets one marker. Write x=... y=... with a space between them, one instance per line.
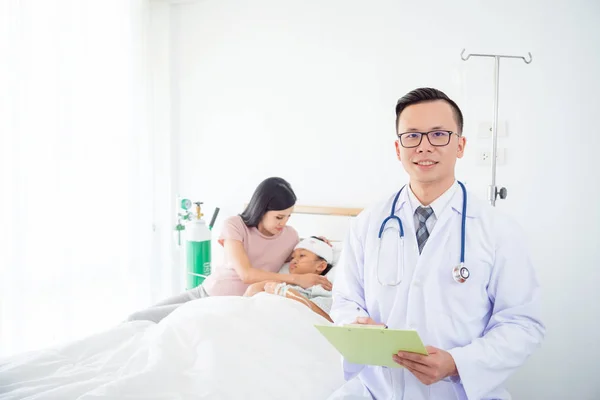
x=450 y=133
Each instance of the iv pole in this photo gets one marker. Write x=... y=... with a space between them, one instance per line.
x=493 y=190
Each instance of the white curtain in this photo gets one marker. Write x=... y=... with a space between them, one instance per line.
x=76 y=162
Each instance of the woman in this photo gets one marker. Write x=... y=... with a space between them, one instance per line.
x=310 y=256
x=256 y=244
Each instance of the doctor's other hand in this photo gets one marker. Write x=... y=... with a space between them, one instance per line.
x=367 y=321
x=429 y=369
x=310 y=280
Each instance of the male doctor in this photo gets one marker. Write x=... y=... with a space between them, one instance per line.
x=480 y=323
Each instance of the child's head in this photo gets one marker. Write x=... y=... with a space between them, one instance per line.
x=311 y=256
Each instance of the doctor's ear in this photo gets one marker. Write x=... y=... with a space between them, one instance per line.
x=462 y=142
x=398 y=149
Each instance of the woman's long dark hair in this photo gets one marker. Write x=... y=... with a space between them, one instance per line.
x=272 y=194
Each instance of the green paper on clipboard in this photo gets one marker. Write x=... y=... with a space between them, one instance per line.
x=372 y=345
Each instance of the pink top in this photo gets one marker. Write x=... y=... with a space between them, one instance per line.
x=268 y=253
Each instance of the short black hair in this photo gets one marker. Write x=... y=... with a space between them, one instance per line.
x=272 y=194
x=329 y=266
x=422 y=95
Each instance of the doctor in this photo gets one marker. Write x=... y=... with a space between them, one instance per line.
x=445 y=264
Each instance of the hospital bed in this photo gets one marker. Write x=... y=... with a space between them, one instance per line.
x=263 y=347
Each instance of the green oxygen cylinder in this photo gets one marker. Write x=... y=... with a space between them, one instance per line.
x=198 y=249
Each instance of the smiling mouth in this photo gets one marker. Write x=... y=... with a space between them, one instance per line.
x=426 y=163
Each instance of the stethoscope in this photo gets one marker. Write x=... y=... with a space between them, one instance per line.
x=460 y=273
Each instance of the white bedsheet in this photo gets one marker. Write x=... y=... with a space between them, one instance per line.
x=264 y=347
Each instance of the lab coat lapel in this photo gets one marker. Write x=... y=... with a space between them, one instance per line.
x=397 y=295
x=411 y=249
x=405 y=211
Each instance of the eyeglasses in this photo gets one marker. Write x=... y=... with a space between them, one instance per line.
x=436 y=138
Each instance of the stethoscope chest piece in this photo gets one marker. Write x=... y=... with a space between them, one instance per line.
x=460 y=273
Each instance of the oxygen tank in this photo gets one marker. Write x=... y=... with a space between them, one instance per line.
x=198 y=248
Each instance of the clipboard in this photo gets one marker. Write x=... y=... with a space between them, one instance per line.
x=372 y=345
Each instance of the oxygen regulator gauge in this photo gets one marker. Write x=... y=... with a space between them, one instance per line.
x=186 y=204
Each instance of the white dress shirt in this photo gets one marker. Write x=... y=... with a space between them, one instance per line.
x=438 y=206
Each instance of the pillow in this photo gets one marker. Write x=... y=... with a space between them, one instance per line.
x=285 y=269
x=337 y=252
x=331 y=275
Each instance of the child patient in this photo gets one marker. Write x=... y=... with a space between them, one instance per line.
x=311 y=255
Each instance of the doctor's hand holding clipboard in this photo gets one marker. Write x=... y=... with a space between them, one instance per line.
x=435 y=366
x=434 y=261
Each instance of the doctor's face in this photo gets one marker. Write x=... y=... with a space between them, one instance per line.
x=430 y=161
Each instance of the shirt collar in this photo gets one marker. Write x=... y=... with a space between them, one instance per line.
x=438 y=205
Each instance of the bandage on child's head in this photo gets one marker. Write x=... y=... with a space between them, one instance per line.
x=317 y=246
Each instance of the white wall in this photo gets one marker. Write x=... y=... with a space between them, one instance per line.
x=306 y=90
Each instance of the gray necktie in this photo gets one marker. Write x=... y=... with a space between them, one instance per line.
x=423 y=213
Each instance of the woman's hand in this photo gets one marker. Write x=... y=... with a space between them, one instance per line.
x=323 y=238
x=310 y=280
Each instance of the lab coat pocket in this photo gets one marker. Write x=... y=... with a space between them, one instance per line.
x=460 y=302
x=443 y=390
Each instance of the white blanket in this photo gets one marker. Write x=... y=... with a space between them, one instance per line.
x=264 y=347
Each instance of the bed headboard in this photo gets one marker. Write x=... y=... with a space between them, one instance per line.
x=317 y=210
x=331 y=222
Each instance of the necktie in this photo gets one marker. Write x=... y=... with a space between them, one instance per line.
x=423 y=213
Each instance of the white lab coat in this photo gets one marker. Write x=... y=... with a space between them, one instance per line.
x=490 y=324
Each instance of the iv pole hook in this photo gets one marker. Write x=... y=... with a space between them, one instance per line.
x=526 y=60
x=494 y=192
